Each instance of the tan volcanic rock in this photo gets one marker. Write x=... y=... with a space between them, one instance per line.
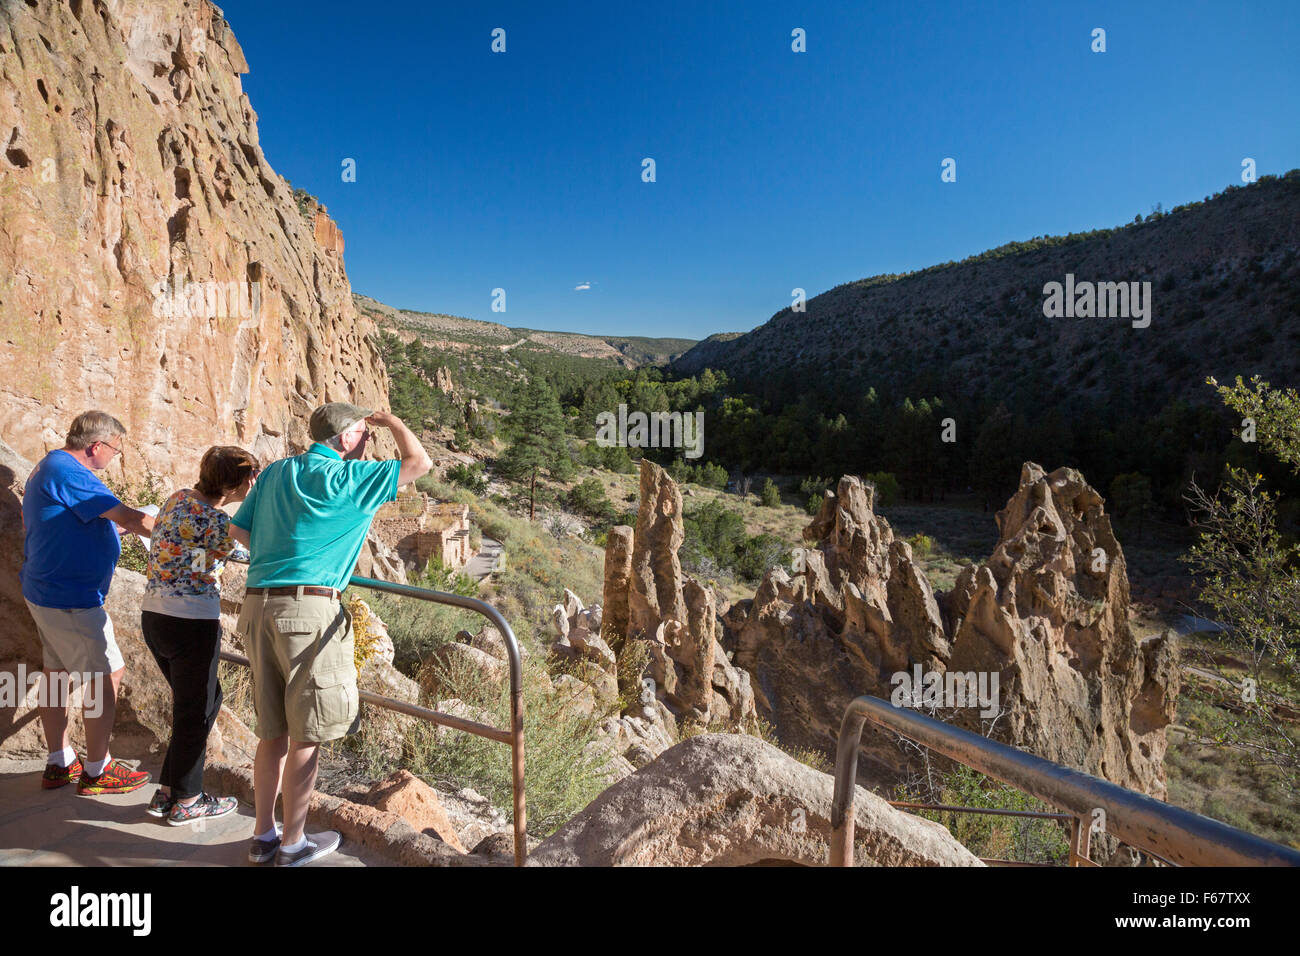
x=152 y=263
x=855 y=612
x=1049 y=612
x=733 y=800
x=675 y=615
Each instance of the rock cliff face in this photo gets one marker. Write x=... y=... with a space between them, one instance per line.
x=152 y=263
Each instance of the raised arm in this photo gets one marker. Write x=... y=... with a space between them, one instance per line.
x=415 y=460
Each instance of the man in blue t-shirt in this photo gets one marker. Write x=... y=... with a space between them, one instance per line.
x=70 y=549
x=305 y=522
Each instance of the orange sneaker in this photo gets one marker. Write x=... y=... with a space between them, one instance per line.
x=116 y=778
x=60 y=776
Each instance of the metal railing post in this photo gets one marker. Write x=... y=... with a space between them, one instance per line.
x=516 y=686
x=514 y=736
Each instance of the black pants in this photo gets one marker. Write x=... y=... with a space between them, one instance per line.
x=186 y=651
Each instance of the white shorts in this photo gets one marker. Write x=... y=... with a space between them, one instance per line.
x=79 y=640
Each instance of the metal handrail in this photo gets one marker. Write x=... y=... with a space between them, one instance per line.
x=1176 y=835
x=514 y=736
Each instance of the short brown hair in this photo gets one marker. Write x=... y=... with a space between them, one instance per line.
x=224 y=467
x=90 y=427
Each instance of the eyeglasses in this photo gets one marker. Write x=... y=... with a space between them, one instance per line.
x=114 y=447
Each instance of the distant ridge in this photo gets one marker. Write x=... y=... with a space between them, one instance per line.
x=1225 y=283
x=450 y=331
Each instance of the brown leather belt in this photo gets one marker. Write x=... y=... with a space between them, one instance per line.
x=293 y=590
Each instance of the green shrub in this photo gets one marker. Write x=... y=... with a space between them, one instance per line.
x=439 y=577
x=613 y=458
x=712 y=475
x=1024 y=839
x=469 y=477
x=760 y=554
x=815 y=487
x=770 y=495
x=149 y=490
x=922 y=545
x=588 y=498
x=888 y=490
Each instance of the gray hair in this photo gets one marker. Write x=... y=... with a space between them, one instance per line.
x=90 y=427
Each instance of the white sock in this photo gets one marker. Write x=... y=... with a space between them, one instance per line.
x=287 y=848
x=62 y=758
x=269 y=835
x=94 y=768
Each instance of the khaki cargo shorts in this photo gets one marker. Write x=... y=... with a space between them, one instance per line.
x=304 y=677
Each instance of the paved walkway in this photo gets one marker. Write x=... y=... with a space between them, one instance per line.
x=485 y=562
x=58 y=828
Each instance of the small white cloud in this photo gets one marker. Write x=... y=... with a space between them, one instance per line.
x=583 y=286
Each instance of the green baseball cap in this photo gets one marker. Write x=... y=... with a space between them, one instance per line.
x=334 y=419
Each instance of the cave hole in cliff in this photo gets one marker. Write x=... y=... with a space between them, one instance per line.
x=178 y=223
x=182 y=182
x=16 y=155
x=40 y=88
x=48 y=46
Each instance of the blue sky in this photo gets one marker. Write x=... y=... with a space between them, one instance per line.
x=522 y=170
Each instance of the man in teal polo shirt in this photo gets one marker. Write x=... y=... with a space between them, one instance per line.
x=305 y=523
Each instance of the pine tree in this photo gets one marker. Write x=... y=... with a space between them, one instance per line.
x=538 y=443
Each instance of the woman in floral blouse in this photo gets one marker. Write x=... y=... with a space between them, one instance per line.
x=181 y=620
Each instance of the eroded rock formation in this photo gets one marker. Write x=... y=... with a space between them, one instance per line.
x=1047 y=615
x=673 y=615
x=856 y=610
x=1049 y=612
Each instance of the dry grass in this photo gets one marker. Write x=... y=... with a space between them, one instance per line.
x=1218 y=780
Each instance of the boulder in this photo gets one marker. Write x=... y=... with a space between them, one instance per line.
x=490 y=641
x=589 y=645
x=575 y=697
x=415 y=801
x=732 y=800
